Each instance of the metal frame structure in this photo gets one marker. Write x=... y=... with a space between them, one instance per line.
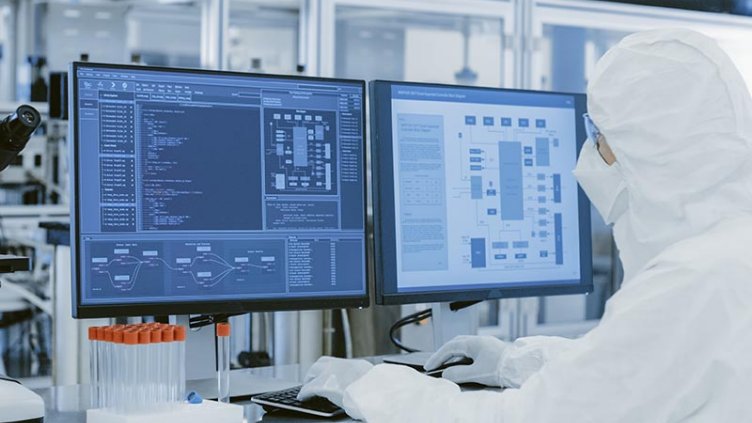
x=523 y=22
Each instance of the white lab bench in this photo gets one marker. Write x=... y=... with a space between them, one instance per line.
x=68 y=404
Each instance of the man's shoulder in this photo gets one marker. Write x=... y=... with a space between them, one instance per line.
x=723 y=248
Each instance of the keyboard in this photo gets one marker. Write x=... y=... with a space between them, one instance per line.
x=288 y=400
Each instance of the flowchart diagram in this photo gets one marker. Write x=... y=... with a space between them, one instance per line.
x=484 y=190
x=193 y=266
x=508 y=175
x=300 y=153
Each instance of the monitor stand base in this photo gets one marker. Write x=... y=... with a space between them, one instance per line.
x=448 y=323
x=448 y=320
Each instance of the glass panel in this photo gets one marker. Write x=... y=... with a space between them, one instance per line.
x=263 y=37
x=376 y=43
x=154 y=34
x=6 y=39
x=565 y=59
x=165 y=35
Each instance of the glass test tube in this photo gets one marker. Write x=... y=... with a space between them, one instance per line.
x=180 y=335
x=144 y=338
x=101 y=367
x=108 y=365
x=119 y=366
x=155 y=364
x=93 y=367
x=223 y=362
x=130 y=366
x=168 y=336
x=116 y=367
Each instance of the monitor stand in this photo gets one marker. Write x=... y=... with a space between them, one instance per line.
x=452 y=319
x=448 y=321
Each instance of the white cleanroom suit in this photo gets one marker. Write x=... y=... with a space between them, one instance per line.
x=675 y=343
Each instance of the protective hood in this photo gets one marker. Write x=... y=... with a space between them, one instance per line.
x=678 y=116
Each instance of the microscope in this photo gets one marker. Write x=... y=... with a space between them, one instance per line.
x=17 y=404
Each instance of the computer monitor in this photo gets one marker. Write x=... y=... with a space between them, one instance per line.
x=474 y=196
x=215 y=192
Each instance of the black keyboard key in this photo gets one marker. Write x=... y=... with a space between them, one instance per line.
x=288 y=399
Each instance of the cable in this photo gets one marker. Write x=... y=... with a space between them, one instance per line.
x=209 y=319
x=412 y=318
x=347 y=333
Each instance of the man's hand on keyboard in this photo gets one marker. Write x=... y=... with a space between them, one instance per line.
x=330 y=376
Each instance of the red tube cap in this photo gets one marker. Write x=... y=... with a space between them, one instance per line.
x=156 y=336
x=223 y=329
x=117 y=336
x=130 y=337
x=168 y=334
x=180 y=333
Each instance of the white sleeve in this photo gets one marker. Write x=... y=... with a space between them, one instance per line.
x=399 y=394
x=647 y=361
x=526 y=356
x=649 y=358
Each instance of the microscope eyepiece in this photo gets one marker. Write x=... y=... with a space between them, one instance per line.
x=15 y=131
x=18 y=127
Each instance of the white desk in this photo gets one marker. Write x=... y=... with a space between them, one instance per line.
x=68 y=404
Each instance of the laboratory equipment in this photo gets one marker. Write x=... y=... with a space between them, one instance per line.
x=474 y=197
x=137 y=368
x=15 y=131
x=138 y=375
x=18 y=404
x=223 y=362
x=215 y=192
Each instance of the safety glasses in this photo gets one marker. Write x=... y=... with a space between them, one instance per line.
x=591 y=130
x=594 y=134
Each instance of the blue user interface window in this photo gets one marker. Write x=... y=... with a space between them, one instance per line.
x=200 y=186
x=471 y=206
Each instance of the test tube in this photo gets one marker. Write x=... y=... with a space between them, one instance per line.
x=101 y=361
x=172 y=366
x=108 y=366
x=93 y=367
x=116 y=367
x=155 y=364
x=223 y=362
x=168 y=336
x=130 y=367
x=144 y=338
x=119 y=366
x=180 y=335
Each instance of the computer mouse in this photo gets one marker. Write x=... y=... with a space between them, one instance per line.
x=453 y=361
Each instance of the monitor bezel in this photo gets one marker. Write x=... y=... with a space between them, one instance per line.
x=200 y=307
x=380 y=95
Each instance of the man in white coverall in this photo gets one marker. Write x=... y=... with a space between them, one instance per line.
x=675 y=343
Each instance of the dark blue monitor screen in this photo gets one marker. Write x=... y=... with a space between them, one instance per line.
x=202 y=191
x=475 y=193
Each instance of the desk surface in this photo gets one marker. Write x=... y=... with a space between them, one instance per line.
x=68 y=404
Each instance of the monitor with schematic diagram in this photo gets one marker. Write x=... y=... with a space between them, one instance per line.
x=474 y=196
x=215 y=192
